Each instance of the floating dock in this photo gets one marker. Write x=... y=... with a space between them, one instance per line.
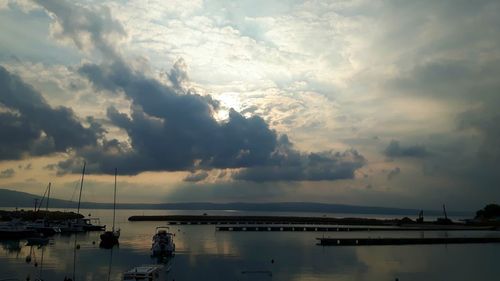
x=309 y=228
x=405 y=241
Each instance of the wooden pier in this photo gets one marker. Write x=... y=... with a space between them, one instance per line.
x=320 y=228
x=405 y=241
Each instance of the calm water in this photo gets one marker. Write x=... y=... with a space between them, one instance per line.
x=204 y=254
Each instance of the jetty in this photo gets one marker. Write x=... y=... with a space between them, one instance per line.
x=210 y=219
x=298 y=223
x=206 y=219
x=405 y=241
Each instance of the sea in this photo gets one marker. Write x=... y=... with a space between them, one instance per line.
x=202 y=253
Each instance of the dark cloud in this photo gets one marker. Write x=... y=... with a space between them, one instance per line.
x=7 y=173
x=30 y=126
x=394 y=149
x=288 y=164
x=171 y=127
x=392 y=173
x=291 y=165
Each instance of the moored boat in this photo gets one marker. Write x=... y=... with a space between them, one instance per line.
x=15 y=230
x=163 y=242
x=92 y=224
x=110 y=238
x=43 y=226
x=146 y=272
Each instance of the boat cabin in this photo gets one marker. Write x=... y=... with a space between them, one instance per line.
x=145 y=273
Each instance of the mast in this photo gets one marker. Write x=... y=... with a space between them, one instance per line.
x=81 y=187
x=114 y=203
x=76 y=233
x=48 y=198
x=444 y=211
x=41 y=200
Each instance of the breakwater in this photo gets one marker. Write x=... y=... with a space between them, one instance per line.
x=206 y=219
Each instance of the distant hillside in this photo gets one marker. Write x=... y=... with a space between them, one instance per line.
x=10 y=198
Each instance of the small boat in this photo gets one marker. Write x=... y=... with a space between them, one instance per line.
x=110 y=238
x=43 y=226
x=163 y=242
x=15 y=230
x=92 y=224
x=146 y=272
x=70 y=226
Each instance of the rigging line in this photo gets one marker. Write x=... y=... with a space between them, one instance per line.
x=43 y=197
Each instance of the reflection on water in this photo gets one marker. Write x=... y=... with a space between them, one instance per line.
x=204 y=254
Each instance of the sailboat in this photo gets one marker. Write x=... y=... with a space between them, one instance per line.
x=76 y=246
x=110 y=238
x=43 y=226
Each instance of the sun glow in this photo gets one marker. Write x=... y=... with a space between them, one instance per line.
x=227 y=101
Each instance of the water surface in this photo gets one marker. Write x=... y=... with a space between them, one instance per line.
x=205 y=254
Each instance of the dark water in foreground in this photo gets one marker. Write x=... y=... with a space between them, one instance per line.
x=204 y=254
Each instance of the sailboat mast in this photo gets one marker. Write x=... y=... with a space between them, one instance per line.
x=81 y=187
x=114 y=203
x=48 y=198
x=76 y=233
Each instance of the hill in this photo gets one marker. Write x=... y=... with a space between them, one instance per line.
x=11 y=198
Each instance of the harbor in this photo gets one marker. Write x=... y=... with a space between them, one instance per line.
x=203 y=252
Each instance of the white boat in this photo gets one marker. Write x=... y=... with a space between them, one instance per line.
x=43 y=226
x=163 y=242
x=146 y=273
x=71 y=226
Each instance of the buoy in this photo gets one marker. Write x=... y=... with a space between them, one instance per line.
x=36 y=264
x=78 y=246
x=28 y=259
x=272 y=261
x=93 y=242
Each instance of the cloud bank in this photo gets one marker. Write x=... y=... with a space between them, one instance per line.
x=31 y=127
x=171 y=127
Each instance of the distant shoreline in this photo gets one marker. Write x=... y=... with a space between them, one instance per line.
x=22 y=200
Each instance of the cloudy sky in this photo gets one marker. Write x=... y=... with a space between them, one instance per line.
x=390 y=103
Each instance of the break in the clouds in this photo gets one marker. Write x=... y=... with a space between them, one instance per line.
x=170 y=126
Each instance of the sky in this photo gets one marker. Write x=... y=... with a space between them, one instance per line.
x=381 y=103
